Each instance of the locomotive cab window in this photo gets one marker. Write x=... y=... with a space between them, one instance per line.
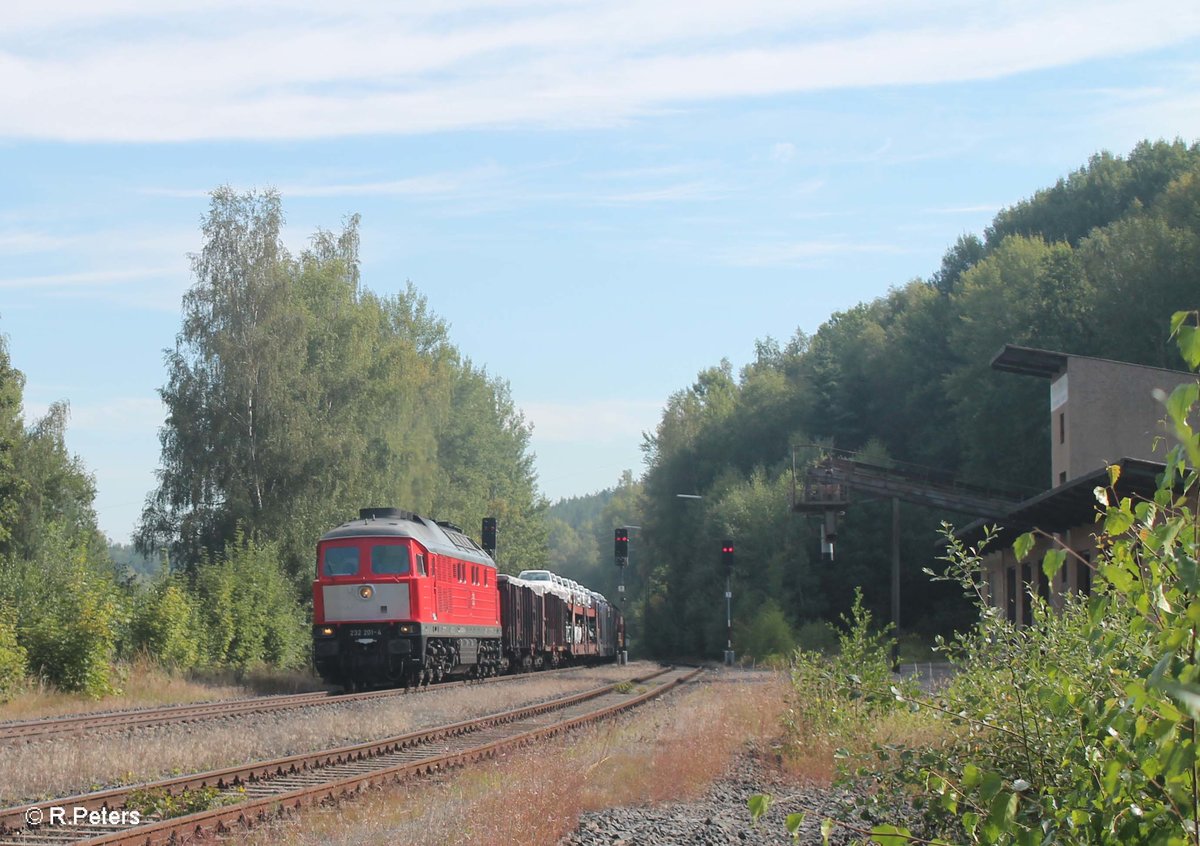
x=340 y=561
x=420 y=564
x=389 y=560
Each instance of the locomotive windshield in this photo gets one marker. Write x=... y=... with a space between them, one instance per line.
x=389 y=560
x=340 y=561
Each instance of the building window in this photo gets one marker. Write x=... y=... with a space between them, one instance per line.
x=1062 y=477
x=1062 y=427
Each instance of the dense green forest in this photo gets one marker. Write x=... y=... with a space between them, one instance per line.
x=1094 y=265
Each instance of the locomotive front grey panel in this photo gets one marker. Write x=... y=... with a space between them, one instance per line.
x=387 y=601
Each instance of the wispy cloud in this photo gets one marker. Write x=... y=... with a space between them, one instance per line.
x=20 y=242
x=54 y=237
x=783 y=152
x=121 y=415
x=973 y=209
x=642 y=173
x=424 y=185
x=681 y=192
x=802 y=252
x=85 y=279
x=153 y=288
x=1141 y=112
x=298 y=70
x=592 y=421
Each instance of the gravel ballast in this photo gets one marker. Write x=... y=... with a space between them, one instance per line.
x=721 y=816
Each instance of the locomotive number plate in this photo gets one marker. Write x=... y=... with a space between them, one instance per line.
x=365 y=633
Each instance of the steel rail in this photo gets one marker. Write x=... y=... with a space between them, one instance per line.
x=365 y=763
x=40 y=729
x=45 y=727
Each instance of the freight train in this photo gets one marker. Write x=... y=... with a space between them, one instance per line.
x=400 y=599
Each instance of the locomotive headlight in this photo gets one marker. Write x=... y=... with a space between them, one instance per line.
x=404 y=629
x=327 y=631
x=366 y=592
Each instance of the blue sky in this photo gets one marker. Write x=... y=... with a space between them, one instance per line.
x=601 y=198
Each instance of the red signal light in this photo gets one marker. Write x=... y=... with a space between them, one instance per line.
x=621 y=546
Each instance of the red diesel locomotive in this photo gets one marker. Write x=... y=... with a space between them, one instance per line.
x=402 y=599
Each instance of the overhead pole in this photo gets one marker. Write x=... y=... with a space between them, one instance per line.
x=896 y=582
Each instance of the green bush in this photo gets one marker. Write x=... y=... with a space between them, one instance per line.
x=836 y=696
x=767 y=634
x=72 y=642
x=71 y=614
x=247 y=615
x=12 y=657
x=164 y=624
x=817 y=636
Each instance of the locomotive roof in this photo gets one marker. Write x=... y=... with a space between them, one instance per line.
x=444 y=539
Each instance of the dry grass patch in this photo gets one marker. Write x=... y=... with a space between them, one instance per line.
x=811 y=753
x=812 y=761
x=143 y=684
x=81 y=763
x=672 y=749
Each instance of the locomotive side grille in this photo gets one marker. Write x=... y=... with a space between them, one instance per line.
x=385 y=601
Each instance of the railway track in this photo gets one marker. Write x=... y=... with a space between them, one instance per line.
x=257 y=791
x=41 y=729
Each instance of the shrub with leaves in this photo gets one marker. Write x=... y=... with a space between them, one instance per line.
x=837 y=695
x=1081 y=728
x=72 y=613
x=161 y=804
x=164 y=623
x=767 y=635
x=838 y=702
x=247 y=615
x=12 y=656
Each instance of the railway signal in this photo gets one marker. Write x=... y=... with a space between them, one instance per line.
x=621 y=546
x=621 y=554
x=727 y=560
x=489 y=536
